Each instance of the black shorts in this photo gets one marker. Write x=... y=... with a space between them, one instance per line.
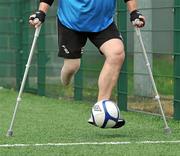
x=71 y=42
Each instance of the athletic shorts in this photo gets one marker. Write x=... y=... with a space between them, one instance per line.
x=71 y=42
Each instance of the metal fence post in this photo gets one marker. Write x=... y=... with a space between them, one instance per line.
x=122 y=81
x=25 y=41
x=18 y=41
x=176 y=59
x=78 y=84
x=41 y=63
x=41 y=60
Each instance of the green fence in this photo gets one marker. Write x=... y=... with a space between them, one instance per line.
x=8 y=47
x=133 y=91
x=176 y=60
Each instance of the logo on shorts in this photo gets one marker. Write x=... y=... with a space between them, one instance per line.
x=82 y=50
x=65 y=49
x=120 y=36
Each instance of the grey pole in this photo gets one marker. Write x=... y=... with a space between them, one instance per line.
x=36 y=35
x=142 y=86
x=157 y=97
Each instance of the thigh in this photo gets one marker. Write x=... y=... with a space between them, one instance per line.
x=72 y=63
x=110 y=33
x=112 y=47
x=70 y=42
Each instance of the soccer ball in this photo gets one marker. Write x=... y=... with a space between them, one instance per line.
x=105 y=114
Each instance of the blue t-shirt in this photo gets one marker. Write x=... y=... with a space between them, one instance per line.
x=86 y=15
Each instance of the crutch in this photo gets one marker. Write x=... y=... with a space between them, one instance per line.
x=157 y=97
x=36 y=35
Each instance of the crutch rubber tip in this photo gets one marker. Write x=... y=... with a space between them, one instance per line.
x=9 y=133
x=167 y=130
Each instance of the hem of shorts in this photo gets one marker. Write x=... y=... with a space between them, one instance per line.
x=110 y=39
x=69 y=57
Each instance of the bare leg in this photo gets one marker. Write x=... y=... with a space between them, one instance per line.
x=114 y=53
x=69 y=68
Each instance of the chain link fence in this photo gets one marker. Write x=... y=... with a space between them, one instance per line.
x=133 y=91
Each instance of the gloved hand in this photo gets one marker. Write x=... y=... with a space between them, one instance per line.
x=37 y=18
x=137 y=19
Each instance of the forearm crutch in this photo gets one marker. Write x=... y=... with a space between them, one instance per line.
x=36 y=35
x=157 y=97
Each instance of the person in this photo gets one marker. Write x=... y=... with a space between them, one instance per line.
x=92 y=19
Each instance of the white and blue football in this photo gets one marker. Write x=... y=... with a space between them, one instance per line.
x=105 y=114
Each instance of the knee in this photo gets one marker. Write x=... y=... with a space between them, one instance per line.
x=74 y=67
x=71 y=66
x=118 y=55
x=121 y=54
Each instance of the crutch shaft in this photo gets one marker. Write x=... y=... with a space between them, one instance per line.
x=10 y=132
x=157 y=97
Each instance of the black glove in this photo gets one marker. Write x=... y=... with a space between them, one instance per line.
x=137 y=18
x=37 y=18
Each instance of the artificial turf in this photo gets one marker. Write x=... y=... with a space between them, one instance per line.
x=47 y=120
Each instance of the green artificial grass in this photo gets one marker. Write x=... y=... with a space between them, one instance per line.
x=46 y=120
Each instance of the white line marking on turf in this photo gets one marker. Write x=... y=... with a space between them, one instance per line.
x=90 y=143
